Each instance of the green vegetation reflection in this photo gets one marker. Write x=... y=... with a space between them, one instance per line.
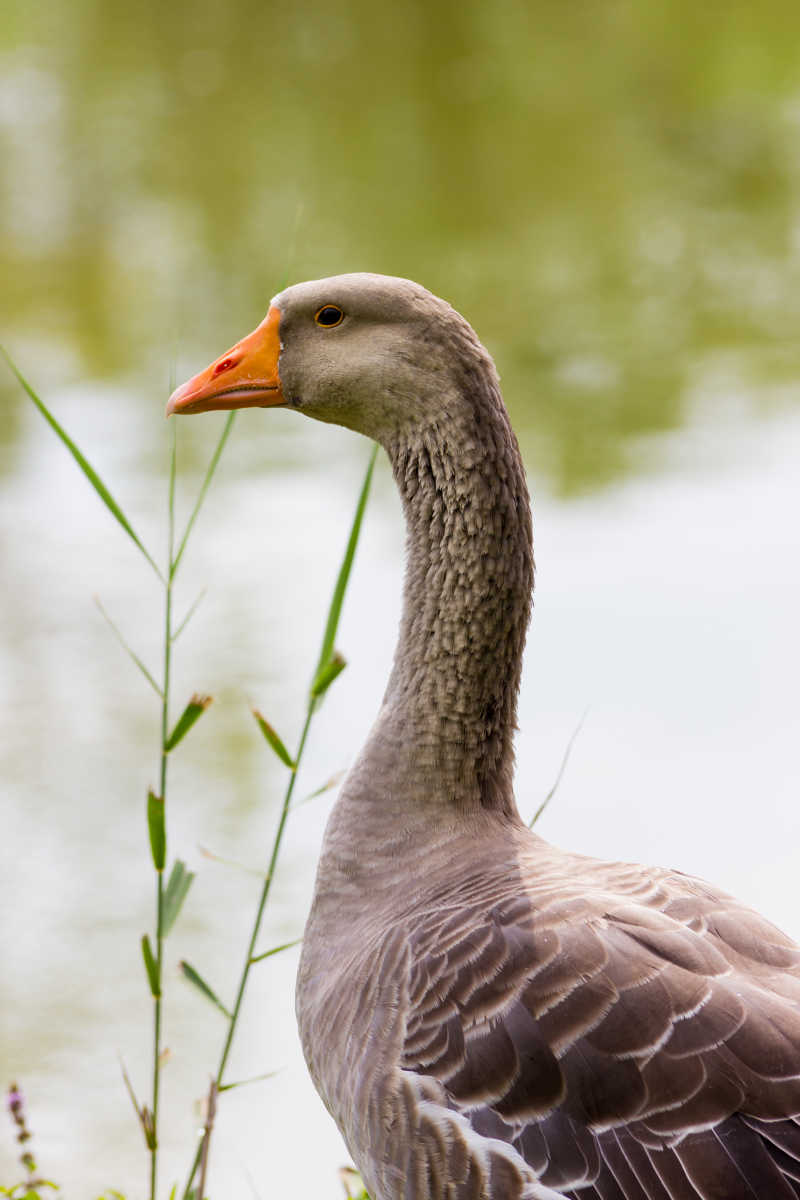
x=608 y=190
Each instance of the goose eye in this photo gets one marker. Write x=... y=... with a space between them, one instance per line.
x=329 y=315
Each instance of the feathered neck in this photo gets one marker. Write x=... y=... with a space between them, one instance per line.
x=449 y=711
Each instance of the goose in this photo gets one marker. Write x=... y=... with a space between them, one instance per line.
x=486 y=1016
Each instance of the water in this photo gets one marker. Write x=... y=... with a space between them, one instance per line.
x=610 y=193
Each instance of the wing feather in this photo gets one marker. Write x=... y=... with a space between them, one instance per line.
x=611 y=1044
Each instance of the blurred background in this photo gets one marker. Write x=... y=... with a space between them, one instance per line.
x=610 y=192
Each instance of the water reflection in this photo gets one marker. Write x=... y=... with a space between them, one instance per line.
x=606 y=191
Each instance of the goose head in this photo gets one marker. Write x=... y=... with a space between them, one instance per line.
x=377 y=354
x=386 y=358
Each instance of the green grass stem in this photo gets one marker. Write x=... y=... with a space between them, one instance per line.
x=179 y=628
x=209 y=475
x=169 y=898
x=326 y=654
x=335 y=611
x=162 y=791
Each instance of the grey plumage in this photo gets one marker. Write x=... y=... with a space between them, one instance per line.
x=488 y=1017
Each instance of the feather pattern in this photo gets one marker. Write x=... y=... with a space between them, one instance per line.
x=545 y=1044
x=488 y=1017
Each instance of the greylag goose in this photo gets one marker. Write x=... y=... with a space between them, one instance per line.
x=488 y=1017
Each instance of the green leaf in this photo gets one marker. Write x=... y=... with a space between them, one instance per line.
x=85 y=466
x=129 y=1086
x=275 y=742
x=197 y=980
x=333 y=782
x=327 y=673
x=275 y=950
x=178 y=884
x=149 y=1127
x=128 y=650
x=143 y=1114
x=228 y=1087
x=157 y=829
x=192 y=610
x=212 y=466
x=193 y=711
x=151 y=966
x=335 y=610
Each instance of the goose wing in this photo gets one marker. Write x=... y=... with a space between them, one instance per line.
x=638 y=1041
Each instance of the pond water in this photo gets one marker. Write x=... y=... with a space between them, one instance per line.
x=611 y=193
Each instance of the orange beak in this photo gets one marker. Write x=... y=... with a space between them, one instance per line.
x=246 y=376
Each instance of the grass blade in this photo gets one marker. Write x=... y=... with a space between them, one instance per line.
x=228 y=1087
x=176 y=891
x=335 y=610
x=193 y=712
x=561 y=770
x=274 y=740
x=333 y=782
x=230 y=862
x=326 y=653
x=151 y=966
x=327 y=673
x=142 y=1111
x=83 y=463
x=192 y=610
x=149 y=1127
x=189 y=973
x=156 y=829
x=150 y=679
x=275 y=950
x=211 y=1112
x=212 y=466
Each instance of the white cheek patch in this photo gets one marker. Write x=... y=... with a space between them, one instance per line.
x=274 y=304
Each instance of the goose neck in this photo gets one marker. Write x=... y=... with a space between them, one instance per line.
x=450 y=707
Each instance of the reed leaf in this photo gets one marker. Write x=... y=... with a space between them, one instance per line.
x=134 y=657
x=151 y=966
x=209 y=475
x=197 y=981
x=228 y=1087
x=157 y=829
x=272 y=738
x=82 y=461
x=327 y=673
x=192 y=610
x=193 y=711
x=275 y=950
x=141 y=1110
x=325 y=658
x=335 y=610
x=178 y=884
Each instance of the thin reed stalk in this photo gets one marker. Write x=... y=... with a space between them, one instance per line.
x=169 y=897
x=170 y=894
x=162 y=791
x=168 y=741
x=329 y=665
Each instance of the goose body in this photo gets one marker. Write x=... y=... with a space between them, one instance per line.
x=488 y=1017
